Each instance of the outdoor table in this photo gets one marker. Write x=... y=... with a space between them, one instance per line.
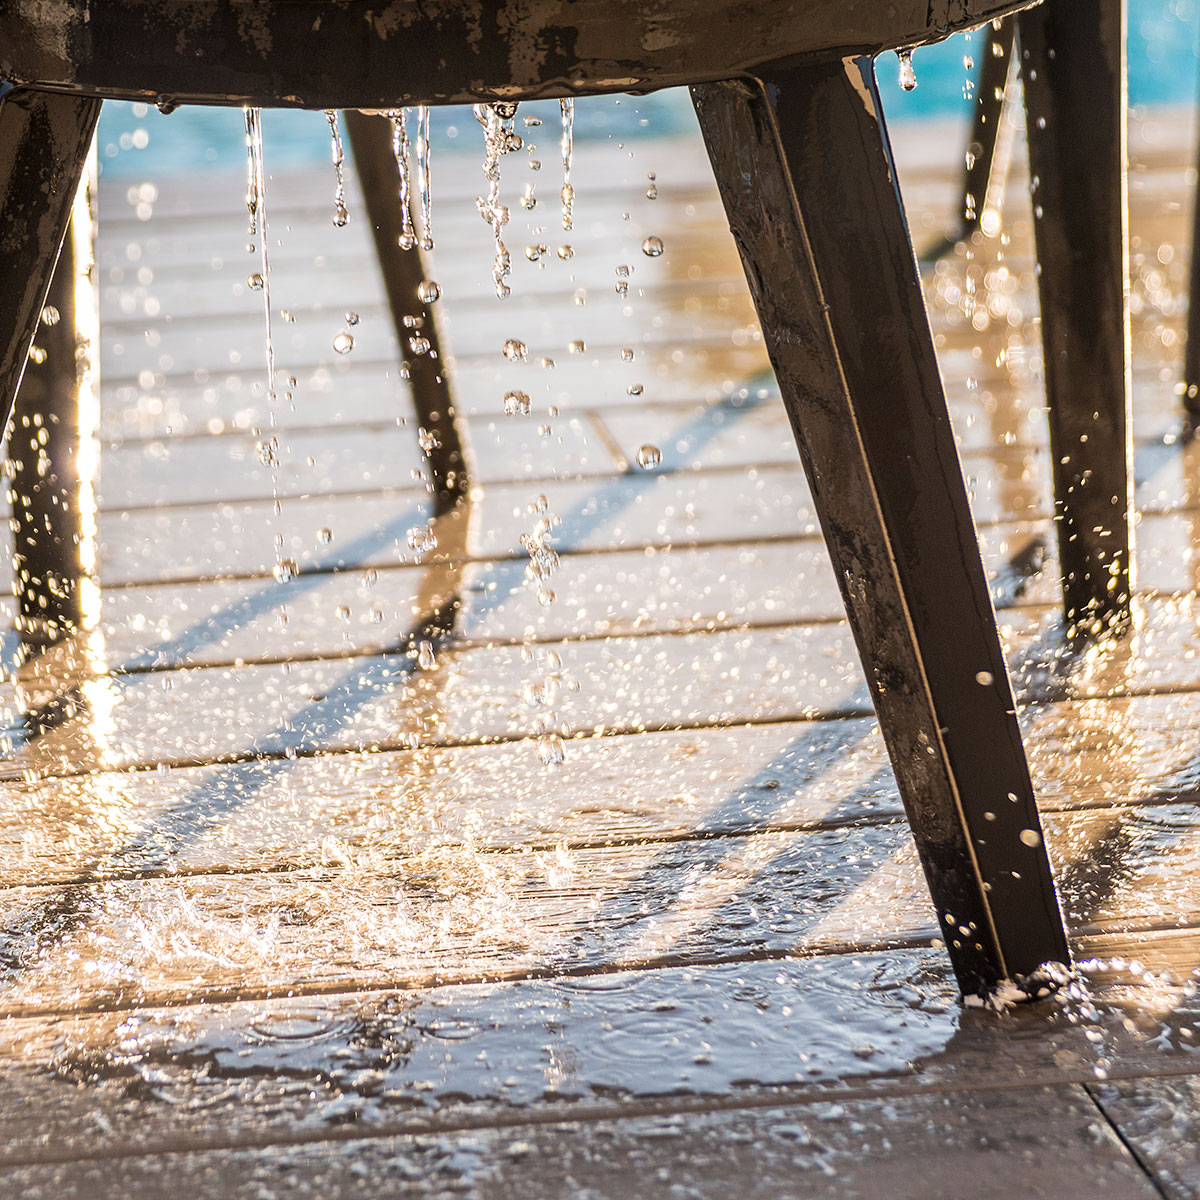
x=789 y=109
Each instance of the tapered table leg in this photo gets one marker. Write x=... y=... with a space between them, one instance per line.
x=805 y=171
x=44 y=141
x=49 y=533
x=1073 y=66
x=1191 y=358
x=403 y=273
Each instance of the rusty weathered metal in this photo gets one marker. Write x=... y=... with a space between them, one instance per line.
x=806 y=174
x=386 y=53
x=1073 y=68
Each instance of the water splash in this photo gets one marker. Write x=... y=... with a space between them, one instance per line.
x=499 y=140
x=424 y=178
x=400 y=152
x=340 y=215
x=568 y=152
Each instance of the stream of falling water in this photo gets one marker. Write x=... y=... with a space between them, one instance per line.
x=256 y=206
x=568 y=153
x=340 y=215
x=400 y=152
x=499 y=139
x=424 y=177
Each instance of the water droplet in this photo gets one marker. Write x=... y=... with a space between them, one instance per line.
x=422 y=539
x=428 y=291
x=576 y=347
x=1031 y=837
x=426 y=659
x=418 y=345
x=352 y=318
x=652 y=247
x=985 y=678
x=324 y=536
x=648 y=456
x=634 y=389
x=627 y=354
x=285 y=570
x=652 y=190
x=551 y=750
x=908 y=75
x=565 y=252
x=546 y=596
x=343 y=343
x=342 y=612
x=535 y=253
x=515 y=350
x=376 y=616
x=517 y=402
x=288 y=316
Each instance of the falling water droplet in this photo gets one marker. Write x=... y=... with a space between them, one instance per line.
x=576 y=347
x=418 y=345
x=634 y=389
x=343 y=343
x=515 y=350
x=289 y=317
x=535 y=253
x=652 y=190
x=517 y=402
x=985 y=678
x=352 y=318
x=551 y=750
x=648 y=456
x=422 y=539
x=342 y=612
x=426 y=659
x=566 y=252
x=255 y=282
x=324 y=536
x=652 y=247
x=285 y=570
x=1031 y=837
x=428 y=291
x=908 y=74
x=627 y=354
x=340 y=215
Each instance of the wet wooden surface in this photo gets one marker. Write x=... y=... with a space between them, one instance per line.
x=289 y=907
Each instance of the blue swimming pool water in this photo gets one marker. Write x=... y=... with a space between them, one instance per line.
x=1164 y=44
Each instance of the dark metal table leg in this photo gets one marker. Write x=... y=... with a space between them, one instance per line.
x=1073 y=66
x=1191 y=357
x=48 y=520
x=808 y=182
x=403 y=273
x=44 y=141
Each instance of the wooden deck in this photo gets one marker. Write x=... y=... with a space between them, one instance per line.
x=286 y=912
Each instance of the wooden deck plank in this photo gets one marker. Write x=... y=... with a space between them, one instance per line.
x=855 y=1150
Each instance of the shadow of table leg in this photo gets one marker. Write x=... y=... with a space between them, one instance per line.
x=1073 y=68
x=806 y=175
